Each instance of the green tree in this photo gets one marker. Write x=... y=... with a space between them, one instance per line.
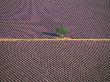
x=62 y=31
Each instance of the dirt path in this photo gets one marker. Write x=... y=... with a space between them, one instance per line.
x=6 y=39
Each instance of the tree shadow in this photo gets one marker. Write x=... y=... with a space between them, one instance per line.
x=50 y=34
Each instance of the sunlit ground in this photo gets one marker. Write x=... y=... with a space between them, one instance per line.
x=55 y=38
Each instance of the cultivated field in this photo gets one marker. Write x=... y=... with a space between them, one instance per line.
x=32 y=18
x=54 y=61
x=29 y=51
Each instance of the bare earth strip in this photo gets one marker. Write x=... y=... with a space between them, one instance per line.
x=68 y=39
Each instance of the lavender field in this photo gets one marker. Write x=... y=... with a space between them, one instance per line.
x=55 y=61
x=30 y=18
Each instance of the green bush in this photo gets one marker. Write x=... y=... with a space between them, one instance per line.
x=62 y=31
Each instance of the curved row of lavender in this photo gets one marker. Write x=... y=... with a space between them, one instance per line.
x=31 y=18
x=55 y=61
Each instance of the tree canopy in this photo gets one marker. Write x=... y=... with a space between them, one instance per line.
x=62 y=30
